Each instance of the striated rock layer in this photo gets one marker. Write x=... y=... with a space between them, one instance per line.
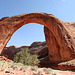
x=60 y=36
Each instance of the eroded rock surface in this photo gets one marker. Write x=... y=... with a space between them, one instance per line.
x=60 y=36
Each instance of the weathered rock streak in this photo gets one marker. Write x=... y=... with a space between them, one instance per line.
x=60 y=36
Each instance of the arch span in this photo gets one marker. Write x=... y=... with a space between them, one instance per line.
x=60 y=44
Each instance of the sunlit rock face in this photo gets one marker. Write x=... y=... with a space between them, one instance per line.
x=59 y=35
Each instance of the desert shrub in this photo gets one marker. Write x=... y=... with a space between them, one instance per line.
x=26 y=58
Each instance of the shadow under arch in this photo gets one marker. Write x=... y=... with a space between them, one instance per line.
x=52 y=26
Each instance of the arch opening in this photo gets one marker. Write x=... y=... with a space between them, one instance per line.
x=27 y=34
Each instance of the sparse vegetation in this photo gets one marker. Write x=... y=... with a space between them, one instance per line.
x=26 y=58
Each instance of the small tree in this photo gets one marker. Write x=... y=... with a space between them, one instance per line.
x=26 y=58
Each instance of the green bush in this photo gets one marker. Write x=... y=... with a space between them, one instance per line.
x=26 y=58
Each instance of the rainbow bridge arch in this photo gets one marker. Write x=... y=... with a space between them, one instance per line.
x=60 y=43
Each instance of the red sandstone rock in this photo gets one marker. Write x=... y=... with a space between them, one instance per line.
x=3 y=18
x=60 y=36
x=39 y=48
x=11 y=51
x=3 y=58
x=69 y=65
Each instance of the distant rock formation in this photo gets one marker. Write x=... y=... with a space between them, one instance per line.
x=12 y=50
x=38 y=48
x=60 y=36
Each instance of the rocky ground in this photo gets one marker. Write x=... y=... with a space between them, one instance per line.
x=11 y=68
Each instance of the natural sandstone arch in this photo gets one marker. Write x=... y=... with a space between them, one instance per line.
x=60 y=41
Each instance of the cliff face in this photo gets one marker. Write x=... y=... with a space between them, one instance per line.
x=60 y=36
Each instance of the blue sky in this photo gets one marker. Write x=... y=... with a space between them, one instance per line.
x=62 y=9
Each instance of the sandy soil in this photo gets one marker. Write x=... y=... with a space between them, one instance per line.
x=28 y=71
